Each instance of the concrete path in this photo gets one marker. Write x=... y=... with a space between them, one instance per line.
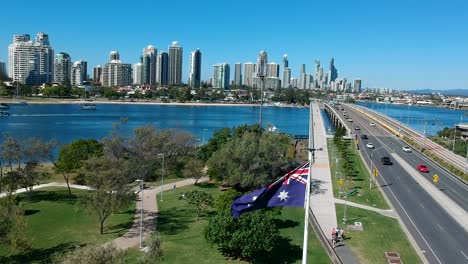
x=322 y=201
x=388 y=212
x=150 y=210
x=50 y=184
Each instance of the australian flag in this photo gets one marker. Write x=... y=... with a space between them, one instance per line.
x=289 y=190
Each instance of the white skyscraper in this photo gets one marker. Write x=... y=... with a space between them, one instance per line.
x=138 y=73
x=221 y=76
x=262 y=62
x=79 y=73
x=31 y=62
x=273 y=69
x=286 y=78
x=62 y=68
x=175 y=63
x=149 y=65
x=249 y=73
x=116 y=73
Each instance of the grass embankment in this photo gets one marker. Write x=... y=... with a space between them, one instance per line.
x=57 y=225
x=183 y=240
x=381 y=234
x=359 y=181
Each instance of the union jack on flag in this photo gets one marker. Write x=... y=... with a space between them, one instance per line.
x=289 y=190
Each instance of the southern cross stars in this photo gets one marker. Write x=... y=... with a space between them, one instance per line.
x=283 y=195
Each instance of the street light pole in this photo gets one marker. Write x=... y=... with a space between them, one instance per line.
x=162 y=176
x=261 y=98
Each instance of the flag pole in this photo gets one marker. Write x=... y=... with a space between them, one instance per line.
x=307 y=192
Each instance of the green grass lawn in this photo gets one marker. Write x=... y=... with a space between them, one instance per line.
x=183 y=241
x=360 y=182
x=56 y=224
x=381 y=234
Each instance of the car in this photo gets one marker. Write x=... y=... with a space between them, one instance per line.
x=357 y=128
x=422 y=168
x=350 y=120
x=364 y=136
x=406 y=149
x=370 y=145
x=372 y=123
x=386 y=161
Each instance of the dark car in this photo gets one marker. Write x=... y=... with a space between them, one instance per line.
x=386 y=161
x=364 y=136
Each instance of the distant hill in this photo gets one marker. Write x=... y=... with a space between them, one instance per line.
x=461 y=92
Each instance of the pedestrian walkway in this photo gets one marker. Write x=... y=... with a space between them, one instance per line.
x=322 y=201
x=50 y=184
x=150 y=210
x=384 y=212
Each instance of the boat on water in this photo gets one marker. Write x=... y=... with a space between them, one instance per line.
x=4 y=113
x=88 y=106
x=272 y=128
x=18 y=103
x=4 y=106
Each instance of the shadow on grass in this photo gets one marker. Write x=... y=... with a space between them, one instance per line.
x=284 y=252
x=31 y=212
x=173 y=221
x=38 y=255
x=288 y=223
x=51 y=196
x=208 y=185
x=120 y=229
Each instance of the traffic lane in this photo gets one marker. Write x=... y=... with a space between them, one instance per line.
x=455 y=190
x=444 y=235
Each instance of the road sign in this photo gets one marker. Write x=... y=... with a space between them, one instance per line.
x=340 y=182
x=375 y=172
x=435 y=178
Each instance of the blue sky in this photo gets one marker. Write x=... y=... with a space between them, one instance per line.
x=409 y=44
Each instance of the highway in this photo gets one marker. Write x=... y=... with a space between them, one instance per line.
x=440 y=237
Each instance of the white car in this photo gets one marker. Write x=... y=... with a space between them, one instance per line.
x=370 y=145
x=372 y=123
x=350 y=120
x=406 y=149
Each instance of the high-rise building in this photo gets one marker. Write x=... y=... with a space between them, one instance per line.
x=175 y=64
x=332 y=72
x=249 y=73
x=114 y=55
x=302 y=82
x=116 y=73
x=150 y=54
x=79 y=72
x=285 y=61
x=221 y=76
x=286 y=78
x=62 y=69
x=138 y=70
x=238 y=74
x=273 y=69
x=357 y=86
x=195 y=68
x=162 y=74
x=262 y=62
x=3 y=72
x=97 y=75
x=31 y=62
x=294 y=83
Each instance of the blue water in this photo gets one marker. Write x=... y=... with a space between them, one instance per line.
x=66 y=122
x=418 y=117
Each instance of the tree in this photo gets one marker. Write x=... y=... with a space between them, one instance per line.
x=111 y=189
x=11 y=150
x=12 y=224
x=219 y=138
x=251 y=160
x=194 y=169
x=252 y=235
x=28 y=176
x=199 y=199
x=72 y=156
x=92 y=254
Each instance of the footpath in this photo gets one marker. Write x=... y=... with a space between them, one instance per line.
x=322 y=201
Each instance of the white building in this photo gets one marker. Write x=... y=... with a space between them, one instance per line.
x=31 y=62
x=79 y=73
x=175 y=63
x=138 y=73
x=116 y=73
x=249 y=73
x=221 y=75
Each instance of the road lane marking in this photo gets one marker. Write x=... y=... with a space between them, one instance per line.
x=422 y=205
x=464 y=254
x=440 y=227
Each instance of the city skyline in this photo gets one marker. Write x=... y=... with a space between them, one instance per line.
x=418 y=47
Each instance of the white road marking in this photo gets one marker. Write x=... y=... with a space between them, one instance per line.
x=440 y=227
x=421 y=205
x=464 y=254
